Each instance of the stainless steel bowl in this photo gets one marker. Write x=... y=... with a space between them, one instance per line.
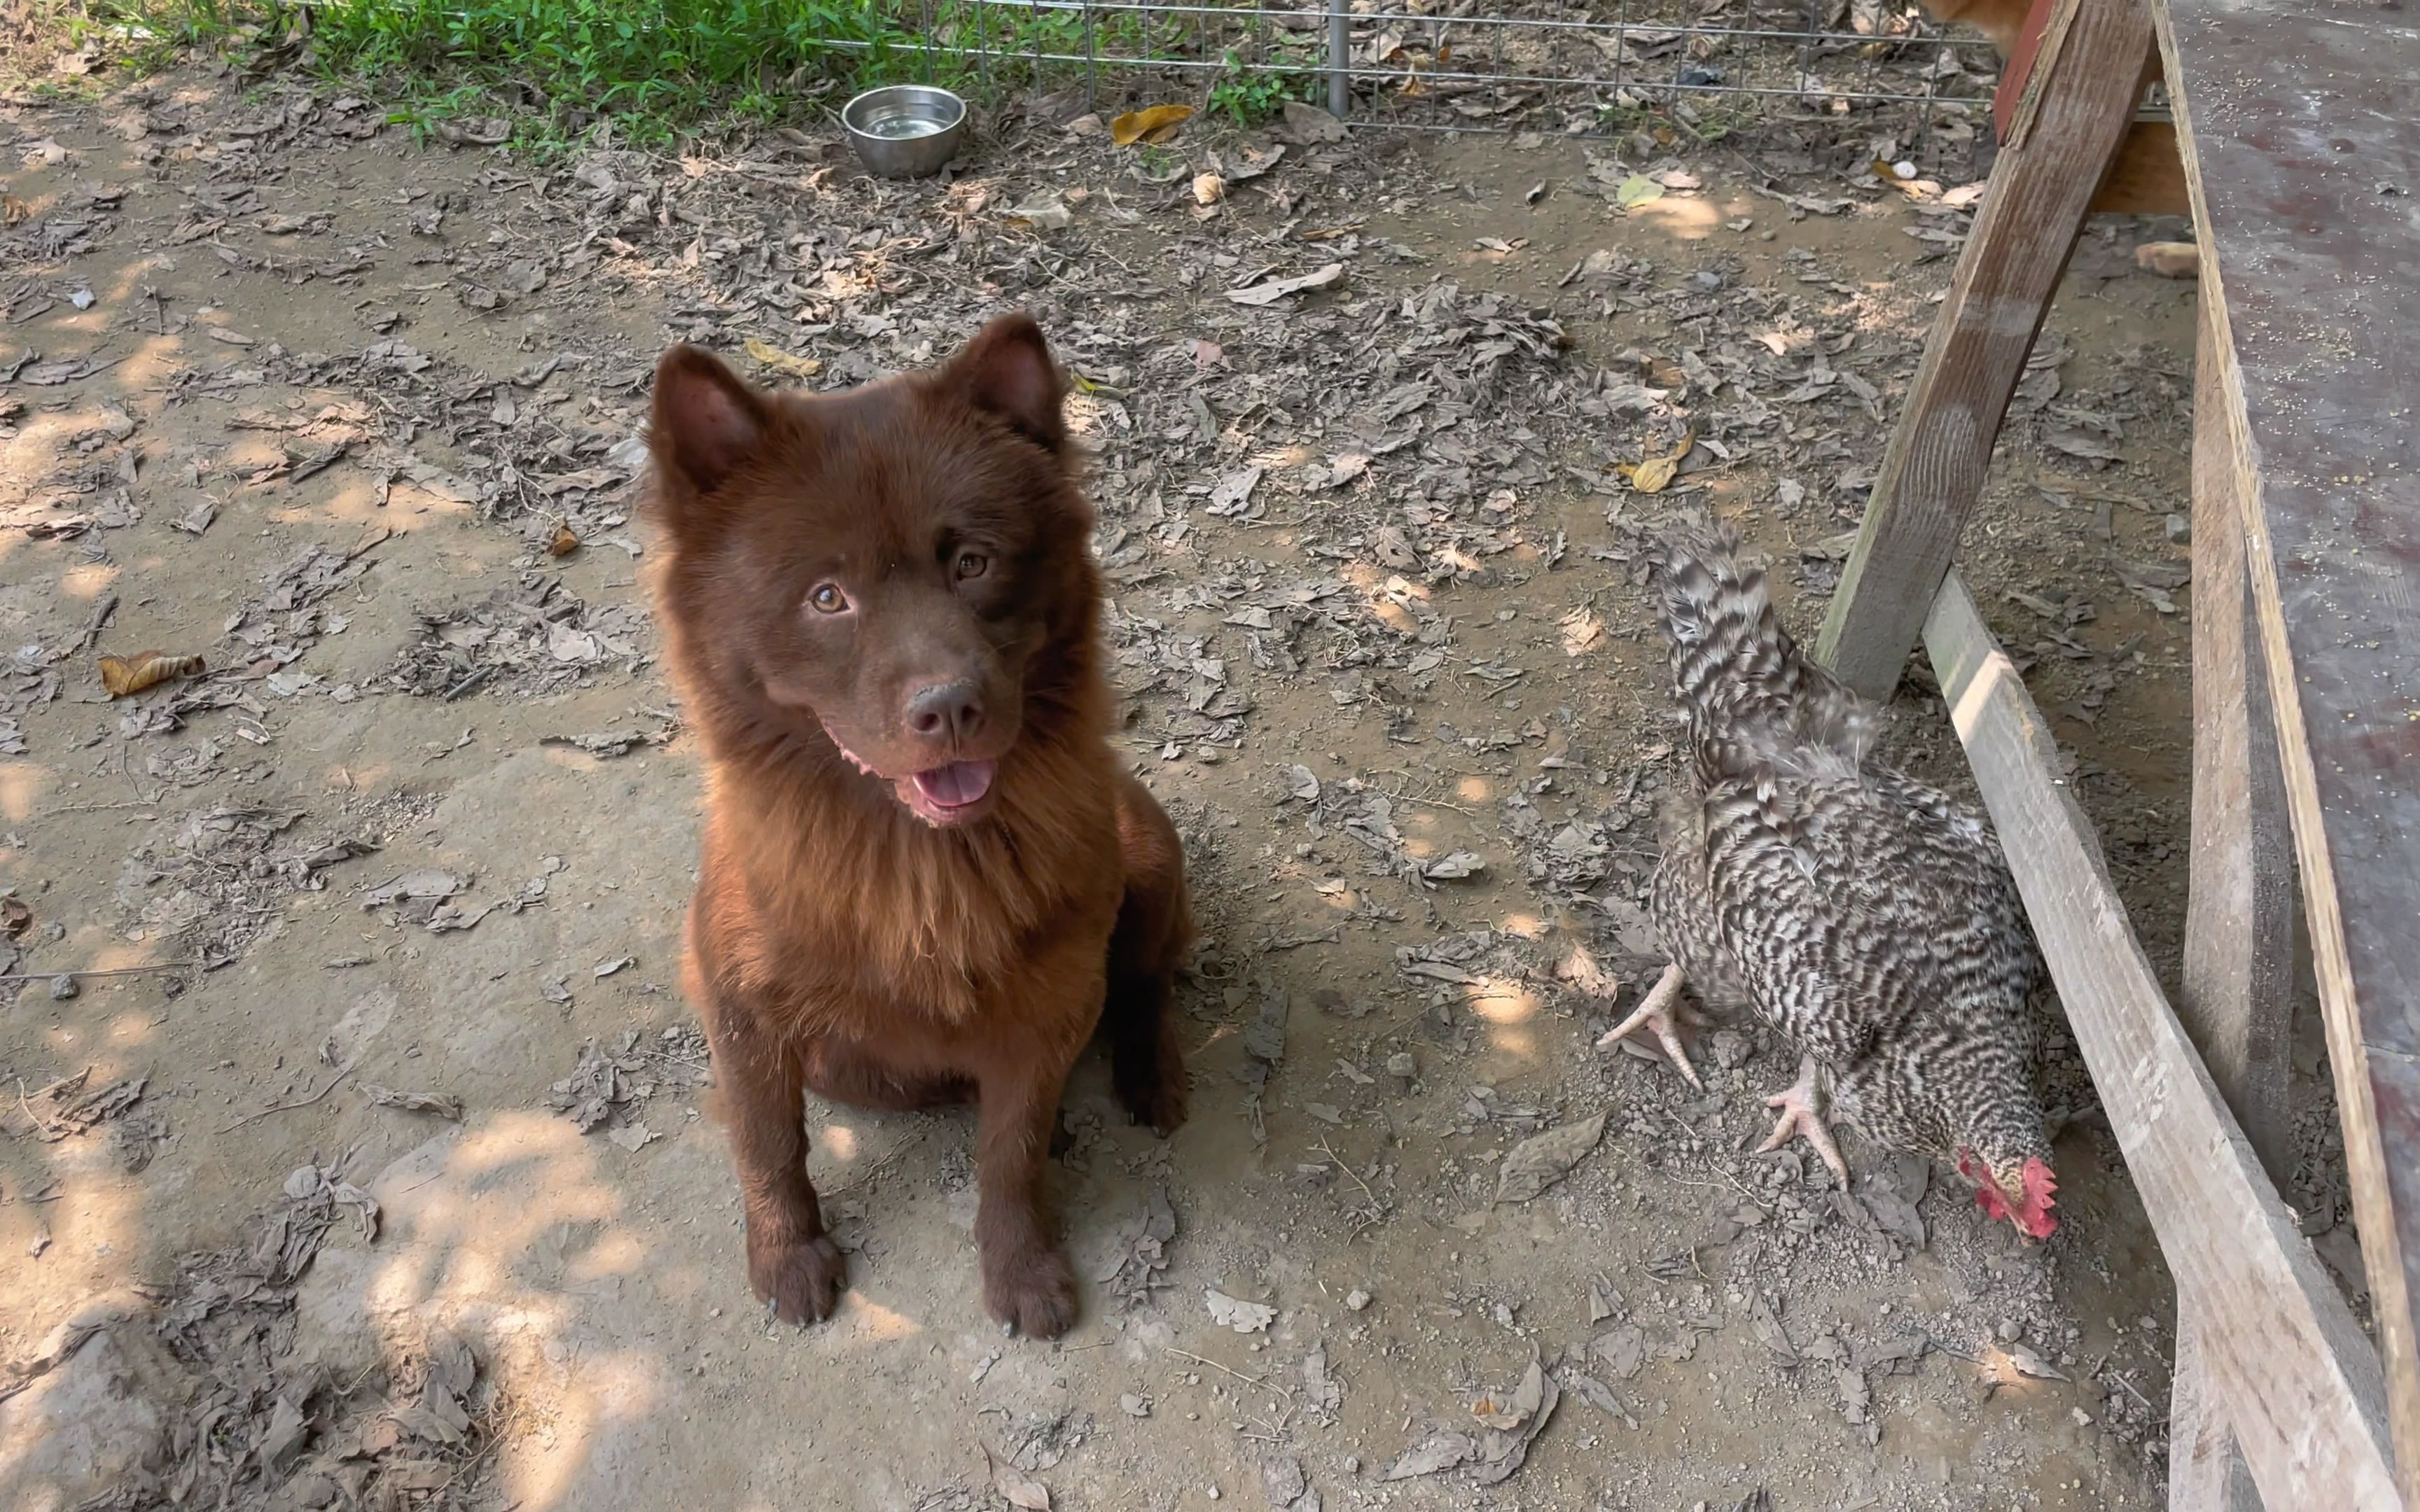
x=906 y=131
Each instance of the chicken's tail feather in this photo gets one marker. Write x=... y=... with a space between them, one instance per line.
x=1749 y=695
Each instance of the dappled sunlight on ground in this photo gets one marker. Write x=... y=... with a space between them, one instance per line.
x=506 y=1234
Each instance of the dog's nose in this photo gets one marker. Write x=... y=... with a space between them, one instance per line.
x=949 y=711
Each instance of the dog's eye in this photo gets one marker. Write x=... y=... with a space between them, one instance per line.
x=827 y=598
x=973 y=564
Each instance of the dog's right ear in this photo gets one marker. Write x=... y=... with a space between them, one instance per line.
x=706 y=422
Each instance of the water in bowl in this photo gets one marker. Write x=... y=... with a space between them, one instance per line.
x=900 y=128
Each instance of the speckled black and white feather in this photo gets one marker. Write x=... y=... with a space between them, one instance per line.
x=1868 y=917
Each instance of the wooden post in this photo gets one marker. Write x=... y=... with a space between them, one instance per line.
x=2077 y=107
x=2238 y=1000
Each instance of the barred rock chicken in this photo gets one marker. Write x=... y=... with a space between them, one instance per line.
x=1867 y=917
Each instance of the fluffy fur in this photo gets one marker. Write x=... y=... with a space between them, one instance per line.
x=832 y=566
x=1867 y=917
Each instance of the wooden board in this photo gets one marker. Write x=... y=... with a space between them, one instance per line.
x=2205 y=1471
x=2296 y=119
x=2149 y=175
x=2237 y=1003
x=2146 y=177
x=2238 y=998
x=2301 y=1382
x=2015 y=256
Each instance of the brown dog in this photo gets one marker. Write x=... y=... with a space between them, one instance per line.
x=924 y=872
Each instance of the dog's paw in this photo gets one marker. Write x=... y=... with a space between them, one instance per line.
x=801 y=1279
x=1031 y=1292
x=1153 y=1088
x=1159 y=1102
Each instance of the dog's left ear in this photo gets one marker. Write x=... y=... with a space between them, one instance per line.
x=705 y=423
x=1007 y=372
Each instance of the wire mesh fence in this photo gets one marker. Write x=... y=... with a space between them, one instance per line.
x=1862 y=66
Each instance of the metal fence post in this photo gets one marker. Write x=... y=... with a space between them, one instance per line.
x=1339 y=59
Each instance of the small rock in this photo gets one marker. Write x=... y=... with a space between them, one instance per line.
x=2179 y=529
x=63 y=987
x=2011 y=1331
x=1356 y=1299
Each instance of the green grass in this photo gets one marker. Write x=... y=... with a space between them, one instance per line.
x=657 y=68
x=1248 y=97
x=658 y=64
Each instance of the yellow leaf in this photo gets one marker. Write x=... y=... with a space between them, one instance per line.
x=1655 y=473
x=1149 y=125
x=122 y=675
x=1906 y=183
x=781 y=361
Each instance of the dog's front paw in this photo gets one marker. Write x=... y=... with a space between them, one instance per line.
x=1156 y=1098
x=801 y=1278
x=1032 y=1291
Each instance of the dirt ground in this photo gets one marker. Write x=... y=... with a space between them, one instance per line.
x=394 y=1121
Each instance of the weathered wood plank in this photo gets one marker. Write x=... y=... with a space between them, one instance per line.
x=2302 y=1382
x=2087 y=83
x=2205 y=1471
x=2295 y=119
x=2148 y=176
x=2237 y=1001
x=2238 y=998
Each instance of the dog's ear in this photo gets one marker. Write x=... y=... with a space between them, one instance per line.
x=1007 y=372
x=706 y=422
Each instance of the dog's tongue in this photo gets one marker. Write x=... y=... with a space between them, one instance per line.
x=957 y=784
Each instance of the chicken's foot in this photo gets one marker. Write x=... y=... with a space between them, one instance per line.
x=1802 y=1115
x=1655 y=1012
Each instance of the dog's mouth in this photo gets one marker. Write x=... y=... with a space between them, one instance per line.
x=945 y=794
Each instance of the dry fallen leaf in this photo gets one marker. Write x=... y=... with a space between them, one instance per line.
x=437 y=1103
x=565 y=542
x=1155 y=123
x=1517 y=1408
x=1022 y=1490
x=1275 y=290
x=1905 y=182
x=2029 y=1362
x=1655 y=473
x=1241 y=1315
x=1044 y=209
x=780 y=362
x=1540 y=1161
x=122 y=675
x=1638 y=190
x=1208 y=189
